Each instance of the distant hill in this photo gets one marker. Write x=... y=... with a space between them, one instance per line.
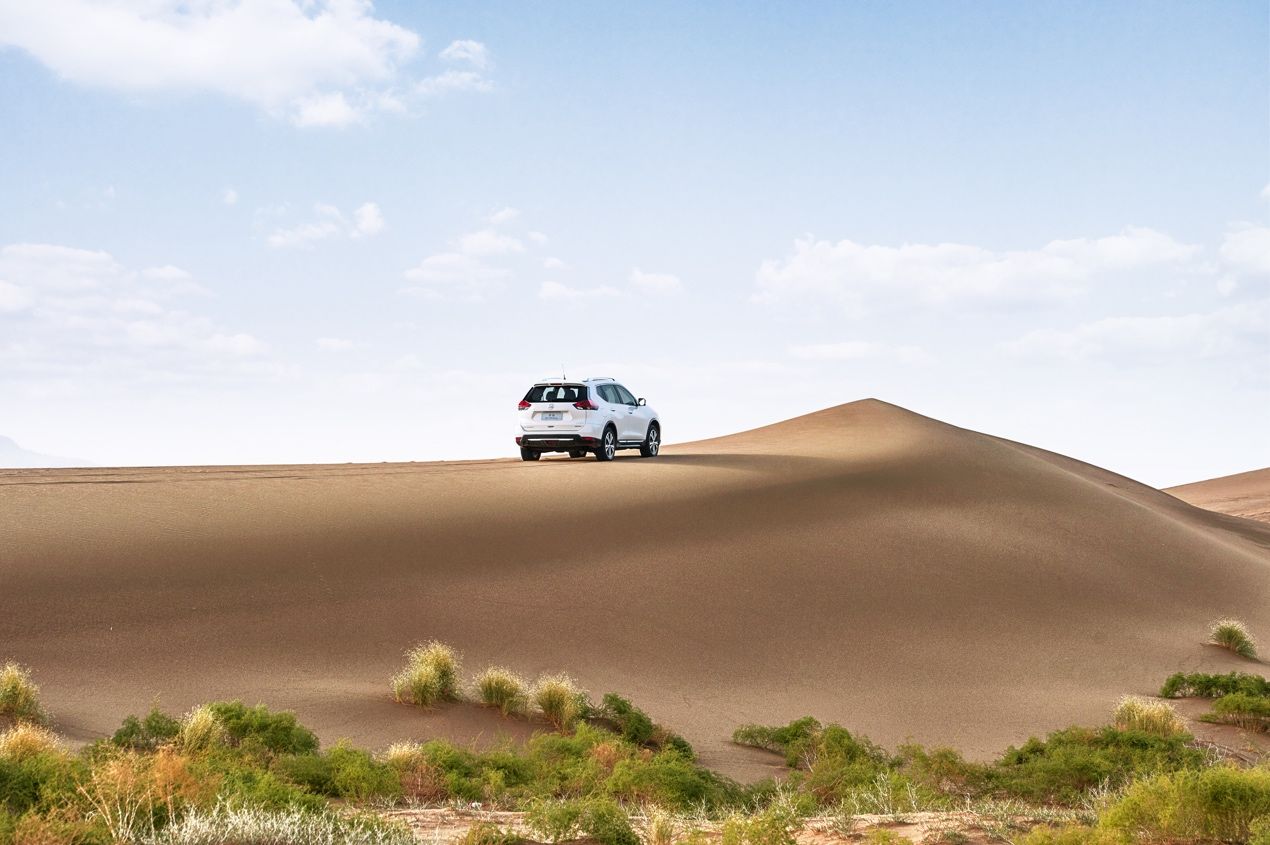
x=13 y=456
x=1246 y=494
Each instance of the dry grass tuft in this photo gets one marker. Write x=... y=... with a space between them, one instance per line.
x=504 y=689
x=557 y=697
x=1233 y=634
x=25 y=740
x=431 y=675
x=19 y=696
x=1149 y=715
x=201 y=730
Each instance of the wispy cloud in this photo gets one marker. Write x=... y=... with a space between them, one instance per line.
x=330 y=223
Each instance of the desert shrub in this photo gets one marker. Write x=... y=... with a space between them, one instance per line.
x=557 y=696
x=1233 y=634
x=19 y=696
x=775 y=825
x=1068 y=763
x=1247 y=711
x=201 y=730
x=61 y=826
x=25 y=740
x=598 y=818
x=243 y=780
x=660 y=827
x=1259 y=831
x=882 y=836
x=503 y=689
x=431 y=675
x=793 y=740
x=633 y=724
x=132 y=794
x=341 y=772
x=259 y=729
x=229 y=822
x=942 y=770
x=148 y=733
x=1073 y=835
x=486 y=833
x=1218 y=803
x=669 y=779
x=1200 y=685
x=1134 y=713
x=35 y=773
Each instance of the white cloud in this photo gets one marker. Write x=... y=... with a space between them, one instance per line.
x=298 y=58
x=506 y=214
x=368 y=220
x=1265 y=192
x=859 y=350
x=78 y=310
x=453 y=81
x=553 y=263
x=473 y=53
x=453 y=274
x=13 y=298
x=229 y=196
x=860 y=276
x=537 y=237
x=334 y=344
x=556 y=290
x=330 y=223
x=655 y=282
x=1226 y=331
x=1246 y=250
x=489 y=242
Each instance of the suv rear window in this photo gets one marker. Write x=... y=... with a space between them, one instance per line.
x=556 y=393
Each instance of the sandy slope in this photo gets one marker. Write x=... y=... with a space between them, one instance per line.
x=1246 y=494
x=864 y=564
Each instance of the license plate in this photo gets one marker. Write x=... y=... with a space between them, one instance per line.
x=549 y=416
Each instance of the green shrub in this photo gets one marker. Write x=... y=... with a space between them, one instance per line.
x=147 y=734
x=943 y=770
x=600 y=819
x=35 y=775
x=1246 y=711
x=794 y=740
x=1233 y=634
x=775 y=825
x=341 y=772
x=431 y=675
x=1134 y=713
x=1200 y=685
x=486 y=833
x=257 y=728
x=670 y=780
x=559 y=700
x=1259 y=831
x=633 y=724
x=1218 y=803
x=503 y=689
x=1073 y=835
x=1068 y=763
x=883 y=836
x=19 y=696
x=243 y=781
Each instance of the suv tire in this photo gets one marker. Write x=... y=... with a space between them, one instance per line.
x=608 y=445
x=652 y=441
x=529 y=454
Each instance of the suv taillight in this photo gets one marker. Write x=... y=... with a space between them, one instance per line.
x=586 y=405
x=523 y=406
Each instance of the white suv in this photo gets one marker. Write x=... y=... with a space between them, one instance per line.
x=592 y=416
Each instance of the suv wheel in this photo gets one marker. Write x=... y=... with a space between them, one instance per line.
x=529 y=454
x=652 y=441
x=608 y=445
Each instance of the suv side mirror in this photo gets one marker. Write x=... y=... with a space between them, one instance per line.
x=641 y=401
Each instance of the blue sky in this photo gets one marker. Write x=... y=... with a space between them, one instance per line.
x=327 y=231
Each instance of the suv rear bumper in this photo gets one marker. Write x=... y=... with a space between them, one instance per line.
x=557 y=442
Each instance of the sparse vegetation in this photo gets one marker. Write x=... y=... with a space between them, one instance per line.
x=258 y=729
x=201 y=730
x=1135 y=713
x=431 y=675
x=1219 y=803
x=557 y=696
x=486 y=833
x=1251 y=712
x=600 y=819
x=1233 y=634
x=19 y=696
x=24 y=741
x=774 y=825
x=1199 y=685
x=147 y=734
x=227 y=822
x=503 y=689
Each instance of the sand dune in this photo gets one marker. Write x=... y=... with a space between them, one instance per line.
x=863 y=564
x=1246 y=494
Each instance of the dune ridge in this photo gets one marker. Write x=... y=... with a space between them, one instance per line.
x=863 y=564
x=1245 y=494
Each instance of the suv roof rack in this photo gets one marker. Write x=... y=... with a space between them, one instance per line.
x=600 y=378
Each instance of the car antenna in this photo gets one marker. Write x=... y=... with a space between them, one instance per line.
x=563 y=377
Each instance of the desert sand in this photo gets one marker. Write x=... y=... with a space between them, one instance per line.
x=1246 y=494
x=863 y=564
